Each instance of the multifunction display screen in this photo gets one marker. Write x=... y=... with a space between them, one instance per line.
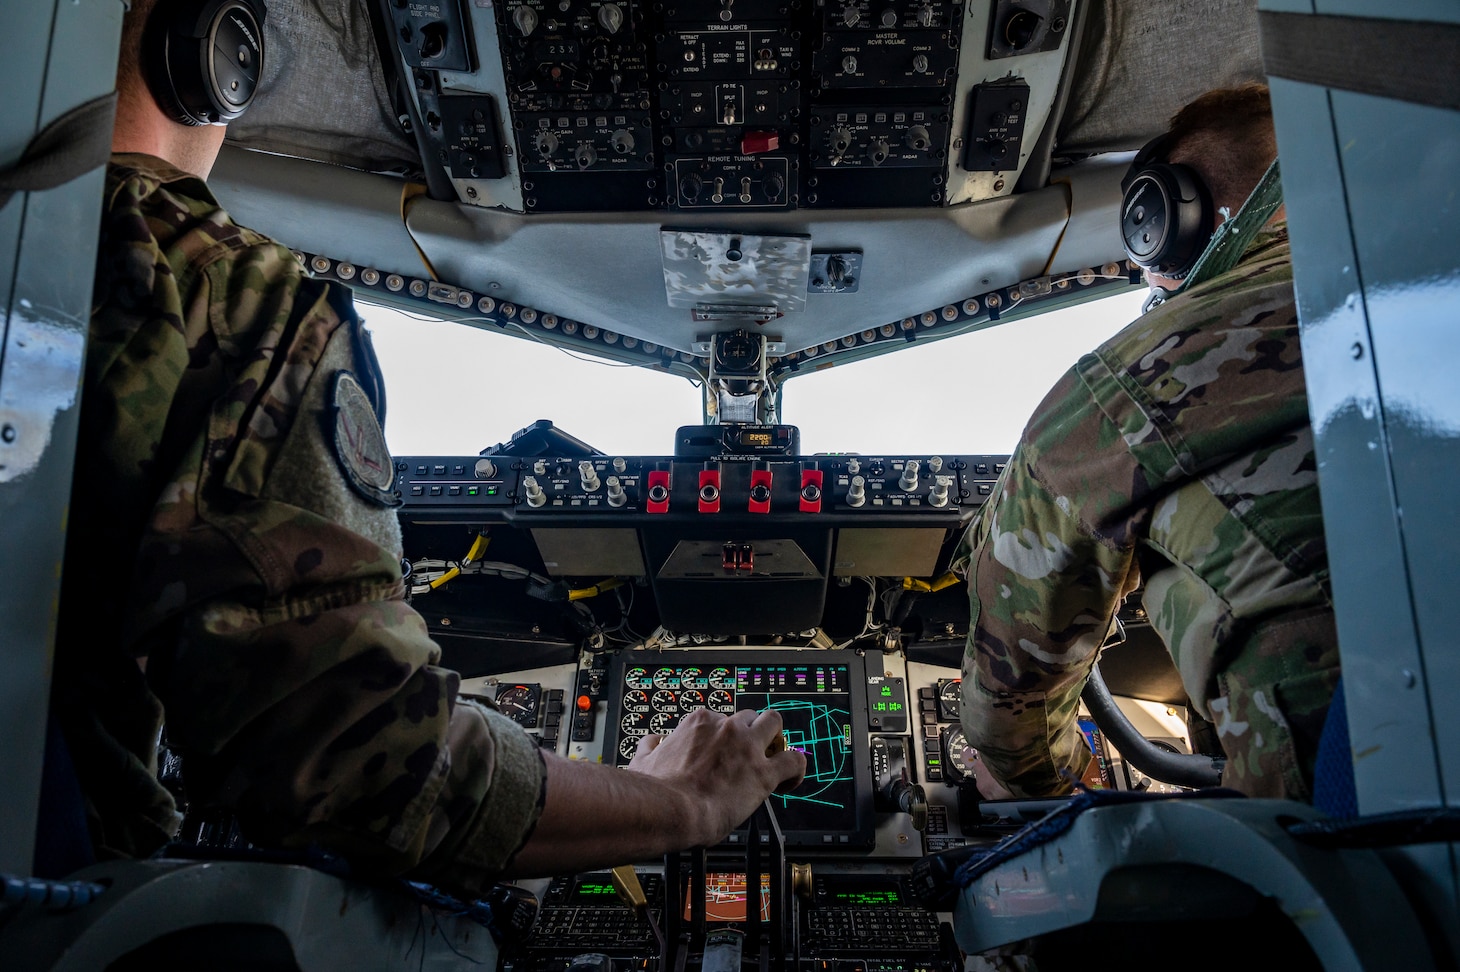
x=822 y=708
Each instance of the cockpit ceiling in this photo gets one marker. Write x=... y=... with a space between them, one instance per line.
x=819 y=140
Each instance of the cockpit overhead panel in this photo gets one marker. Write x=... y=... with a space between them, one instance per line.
x=758 y=106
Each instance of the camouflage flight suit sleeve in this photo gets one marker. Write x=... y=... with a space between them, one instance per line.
x=1048 y=562
x=1179 y=455
x=302 y=690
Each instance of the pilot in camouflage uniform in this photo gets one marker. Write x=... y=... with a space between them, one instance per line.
x=233 y=528
x=1178 y=455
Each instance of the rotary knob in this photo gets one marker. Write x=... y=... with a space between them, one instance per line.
x=586 y=155
x=938 y=495
x=616 y=495
x=524 y=18
x=909 y=480
x=611 y=17
x=622 y=141
x=540 y=467
x=588 y=475
x=485 y=469
x=619 y=465
x=935 y=464
x=535 y=496
x=857 y=492
x=854 y=466
x=918 y=138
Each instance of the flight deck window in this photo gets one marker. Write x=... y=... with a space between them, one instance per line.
x=454 y=389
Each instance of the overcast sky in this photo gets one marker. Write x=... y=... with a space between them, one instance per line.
x=454 y=389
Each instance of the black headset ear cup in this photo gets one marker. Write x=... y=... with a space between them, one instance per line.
x=1166 y=216
x=203 y=60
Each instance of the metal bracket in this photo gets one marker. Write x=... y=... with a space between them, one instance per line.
x=835 y=272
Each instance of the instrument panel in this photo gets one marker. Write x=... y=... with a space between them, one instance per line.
x=820 y=696
x=693 y=106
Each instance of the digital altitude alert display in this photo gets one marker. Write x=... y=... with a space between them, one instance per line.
x=760 y=439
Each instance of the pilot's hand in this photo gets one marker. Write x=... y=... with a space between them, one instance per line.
x=990 y=787
x=721 y=762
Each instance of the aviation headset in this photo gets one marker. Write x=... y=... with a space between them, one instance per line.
x=1166 y=213
x=203 y=60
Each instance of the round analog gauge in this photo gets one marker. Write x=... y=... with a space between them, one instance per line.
x=693 y=678
x=519 y=703
x=663 y=723
x=957 y=767
x=722 y=701
x=691 y=699
x=637 y=678
x=721 y=678
x=948 y=698
x=634 y=724
x=627 y=747
x=636 y=701
x=666 y=678
x=665 y=701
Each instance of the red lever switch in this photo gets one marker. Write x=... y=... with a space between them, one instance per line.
x=810 y=490
x=760 y=490
x=656 y=498
x=710 y=490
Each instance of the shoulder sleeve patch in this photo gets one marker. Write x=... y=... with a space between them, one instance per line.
x=360 y=443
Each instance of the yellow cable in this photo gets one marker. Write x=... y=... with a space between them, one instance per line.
x=947 y=580
x=478 y=547
x=927 y=587
x=408 y=195
x=582 y=593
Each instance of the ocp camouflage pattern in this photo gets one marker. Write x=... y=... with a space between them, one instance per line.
x=215 y=538
x=1176 y=458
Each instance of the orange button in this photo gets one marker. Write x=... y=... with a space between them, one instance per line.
x=584 y=703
